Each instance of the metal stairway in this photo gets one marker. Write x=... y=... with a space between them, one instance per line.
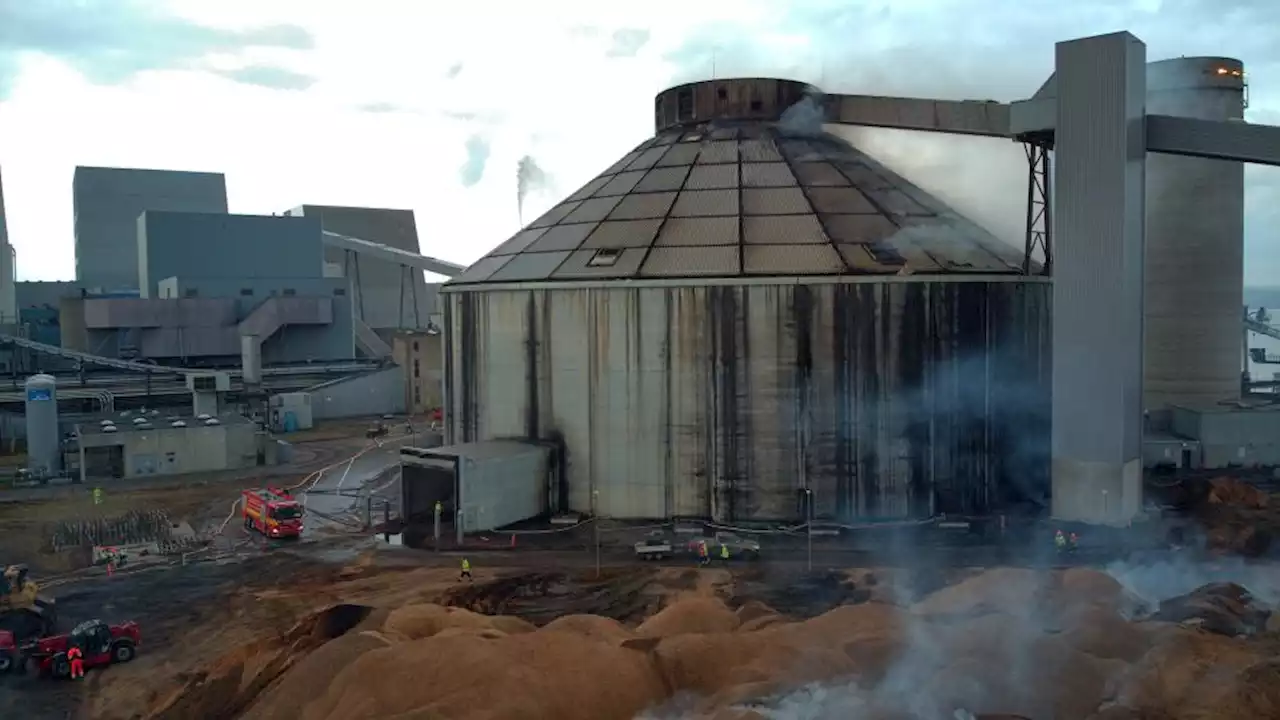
x=369 y=341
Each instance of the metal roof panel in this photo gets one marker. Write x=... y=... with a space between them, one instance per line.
x=714 y=261
x=782 y=230
x=622 y=234
x=699 y=231
x=638 y=206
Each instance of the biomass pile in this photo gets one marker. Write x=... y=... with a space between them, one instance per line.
x=1237 y=518
x=1008 y=643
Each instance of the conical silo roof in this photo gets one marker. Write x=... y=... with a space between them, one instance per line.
x=735 y=191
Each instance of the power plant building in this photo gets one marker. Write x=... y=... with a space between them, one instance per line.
x=747 y=319
x=385 y=296
x=206 y=281
x=107 y=203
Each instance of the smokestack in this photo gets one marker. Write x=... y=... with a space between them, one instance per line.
x=8 y=271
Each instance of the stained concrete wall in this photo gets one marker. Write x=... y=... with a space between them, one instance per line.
x=173 y=451
x=376 y=393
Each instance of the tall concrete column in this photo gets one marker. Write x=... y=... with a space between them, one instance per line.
x=1099 y=174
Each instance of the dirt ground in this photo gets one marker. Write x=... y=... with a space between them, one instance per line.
x=201 y=500
x=263 y=638
x=276 y=631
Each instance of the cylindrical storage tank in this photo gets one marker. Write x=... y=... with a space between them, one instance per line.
x=1194 y=262
x=44 y=441
x=745 y=313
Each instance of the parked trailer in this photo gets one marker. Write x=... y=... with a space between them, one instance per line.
x=654 y=547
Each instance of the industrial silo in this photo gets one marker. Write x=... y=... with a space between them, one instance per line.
x=745 y=312
x=1194 y=257
x=44 y=441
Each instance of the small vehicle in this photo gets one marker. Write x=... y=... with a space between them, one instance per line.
x=272 y=512
x=100 y=643
x=376 y=431
x=10 y=655
x=655 y=546
x=739 y=547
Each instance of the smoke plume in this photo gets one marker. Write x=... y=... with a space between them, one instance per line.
x=530 y=178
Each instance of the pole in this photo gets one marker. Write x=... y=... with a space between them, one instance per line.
x=595 y=520
x=436 y=535
x=808 y=496
x=386 y=521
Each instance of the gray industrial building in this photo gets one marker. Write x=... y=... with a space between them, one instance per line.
x=206 y=280
x=107 y=203
x=747 y=319
x=149 y=445
x=383 y=294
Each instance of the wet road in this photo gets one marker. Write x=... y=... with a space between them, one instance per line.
x=337 y=495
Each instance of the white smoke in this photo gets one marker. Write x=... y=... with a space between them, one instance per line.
x=530 y=178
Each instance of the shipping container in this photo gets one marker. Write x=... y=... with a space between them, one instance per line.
x=487 y=485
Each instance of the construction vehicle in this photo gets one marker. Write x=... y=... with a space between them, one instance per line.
x=100 y=645
x=23 y=612
x=655 y=546
x=272 y=512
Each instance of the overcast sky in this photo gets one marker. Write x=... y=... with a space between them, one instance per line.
x=432 y=106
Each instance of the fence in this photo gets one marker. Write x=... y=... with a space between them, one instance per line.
x=133 y=527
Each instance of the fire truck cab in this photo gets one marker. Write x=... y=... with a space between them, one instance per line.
x=272 y=512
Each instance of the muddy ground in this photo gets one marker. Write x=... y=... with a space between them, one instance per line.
x=191 y=614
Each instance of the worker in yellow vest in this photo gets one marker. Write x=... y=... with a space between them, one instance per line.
x=466 y=570
x=724 y=554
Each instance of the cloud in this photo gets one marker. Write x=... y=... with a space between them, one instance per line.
x=269 y=76
x=472 y=171
x=627 y=42
x=110 y=41
x=382 y=107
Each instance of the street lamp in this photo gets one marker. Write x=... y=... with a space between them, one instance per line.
x=808 y=501
x=595 y=520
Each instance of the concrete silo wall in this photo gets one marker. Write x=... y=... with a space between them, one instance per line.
x=889 y=399
x=1194 y=257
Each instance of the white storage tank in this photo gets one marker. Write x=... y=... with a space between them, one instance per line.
x=1194 y=257
x=44 y=442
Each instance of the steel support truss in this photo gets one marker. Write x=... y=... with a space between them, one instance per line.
x=1037 y=252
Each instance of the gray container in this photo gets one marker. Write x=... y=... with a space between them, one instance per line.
x=44 y=455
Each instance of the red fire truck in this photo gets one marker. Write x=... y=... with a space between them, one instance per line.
x=272 y=512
